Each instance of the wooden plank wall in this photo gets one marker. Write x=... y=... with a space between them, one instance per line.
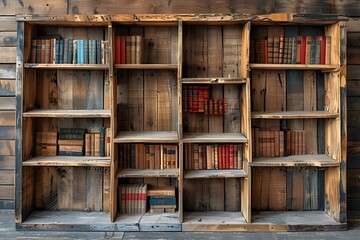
x=8 y=9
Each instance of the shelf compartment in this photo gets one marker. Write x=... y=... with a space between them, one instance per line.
x=147 y=137
x=295 y=221
x=214 y=80
x=221 y=173
x=67 y=66
x=55 y=161
x=147 y=66
x=294 y=115
x=61 y=113
x=308 y=67
x=214 y=138
x=311 y=160
x=148 y=222
x=214 y=221
x=69 y=220
x=141 y=173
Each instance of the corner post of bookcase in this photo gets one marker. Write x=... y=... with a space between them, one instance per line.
x=113 y=126
x=19 y=110
x=343 y=119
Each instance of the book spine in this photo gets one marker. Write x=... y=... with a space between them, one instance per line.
x=122 y=49
x=139 y=49
x=70 y=153
x=98 y=51
x=70 y=136
x=117 y=49
x=61 y=51
x=162 y=201
x=66 y=50
x=33 y=51
x=102 y=142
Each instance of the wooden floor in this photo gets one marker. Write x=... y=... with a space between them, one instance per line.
x=7 y=231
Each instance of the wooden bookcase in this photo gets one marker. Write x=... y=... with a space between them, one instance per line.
x=196 y=92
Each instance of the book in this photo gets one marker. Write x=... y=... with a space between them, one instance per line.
x=162 y=200
x=71 y=148
x=117 y=49
x=74 y=142
x=161 y=191
x=71 y=136
x=102 y=142
x=72 y=130
x=70 y=153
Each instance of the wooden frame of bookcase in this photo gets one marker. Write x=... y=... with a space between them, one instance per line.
x=107 y=222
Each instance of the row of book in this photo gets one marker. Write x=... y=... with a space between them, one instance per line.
x=213 y=156
x=133 y=198
x=73 y=142
x=197 y=99
x=148 y=156
x=162 y=200
x=278 y=143
x=292 y=50
x=69 y=51
x=129 y=49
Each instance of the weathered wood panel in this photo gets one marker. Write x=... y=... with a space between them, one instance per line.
x=8 y=23
x=7 y=87
x=350 y=8
x=7 y=39
x=7 y=133
x=7 y=118
x=7 y=177
x=7 y=71
x=7 y=147
x=7 y=162
x=165 y=6
x=7 y=103
x=10 y=7
x=7 y=54
x=7 y=192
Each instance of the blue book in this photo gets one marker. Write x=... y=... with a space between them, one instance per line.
x=57 y=51
x=98 y=51
x=102 y=142
x=162 y=201
x=67 y=153
x=61 y=51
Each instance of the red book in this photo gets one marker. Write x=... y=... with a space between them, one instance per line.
x=219 y=150
x=231 y=156
x=117 y=49
x=227 y=156
x=223 y=156
x=303 y=50
x=122 y=50
x=323 y=50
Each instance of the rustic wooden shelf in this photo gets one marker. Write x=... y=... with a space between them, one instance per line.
x=67 y=66
x=296 y=221
x=60 y=113
x=311 y=160
x=147 y=66
x=70 y=161
x=220 y=173
x=322 y=67
x=141 y=173
x=213 y=221
x=148 y=222
x=293 y=115
x=214 y=80
x=147 y=137
x=214 y=138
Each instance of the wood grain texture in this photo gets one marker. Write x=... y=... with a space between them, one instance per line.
x=7 y=71
x=8 y=23
x=8 y=39
x=7 y=192
x=33 y=6
x=163 y=6
x=7 y=87
x=7 y=54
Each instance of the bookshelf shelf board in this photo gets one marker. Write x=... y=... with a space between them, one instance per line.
x=221 y=173
x=212 y=221
x=297 y=220
x=214 y=80
x=322 y=67
x=147 y=66
x=147 y=137
x=67 y=66
x=60 y=113
x=148 y=222
x=311 y=160
x=82 y=221
x=141 y=173
x=71 y=161
x=214 y=138
x=293 y=115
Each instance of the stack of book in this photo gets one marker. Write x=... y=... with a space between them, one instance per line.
x=213 y=156
x=54 y=50
x=133 y=198
x=148 y=156
x=162 y=200
x=46 y=143
x=292 y=50
x=197 y=99
x=71 y=141
x=278 y=143
x=129 y=49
